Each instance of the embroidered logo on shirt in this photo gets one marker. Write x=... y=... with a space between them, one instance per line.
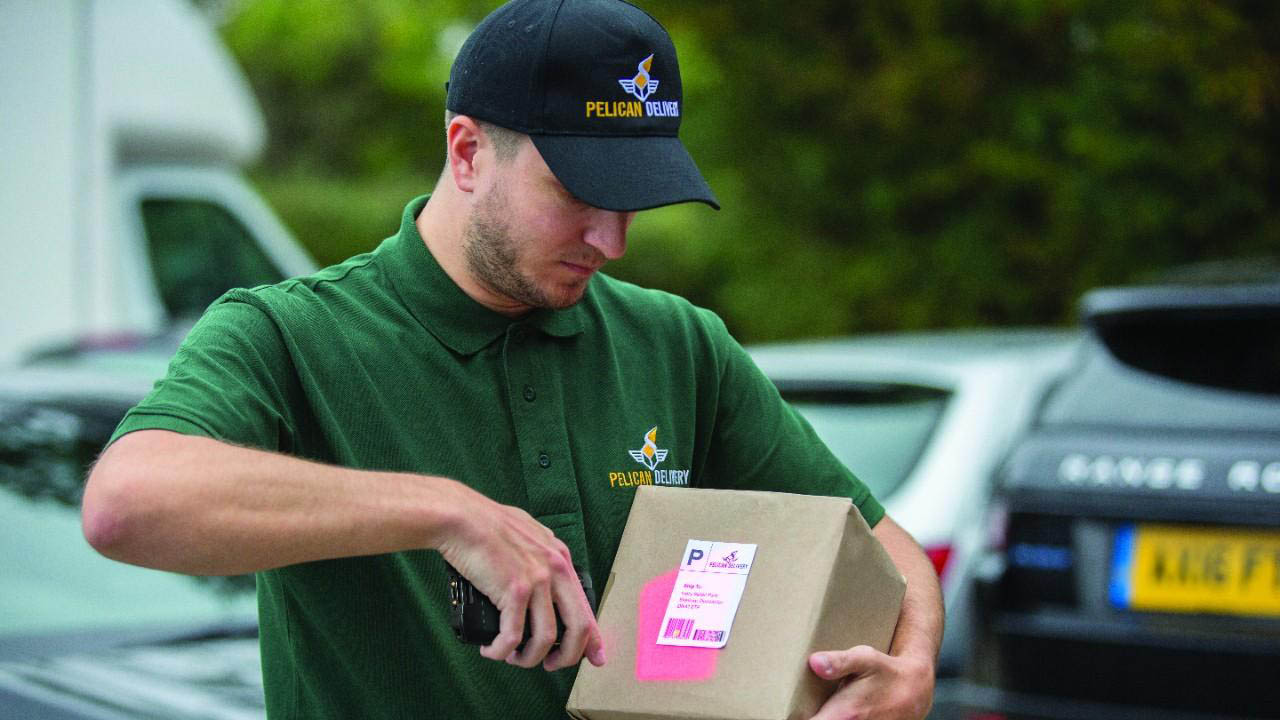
x=650 y=456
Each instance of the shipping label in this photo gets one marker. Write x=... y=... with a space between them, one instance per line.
x=706 y=594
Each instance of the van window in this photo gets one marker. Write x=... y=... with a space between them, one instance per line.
x=199 y=251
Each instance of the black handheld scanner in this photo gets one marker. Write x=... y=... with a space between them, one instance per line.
x=475 y=619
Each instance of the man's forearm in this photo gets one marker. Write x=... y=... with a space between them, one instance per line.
x=196 y=505
x=920 y=623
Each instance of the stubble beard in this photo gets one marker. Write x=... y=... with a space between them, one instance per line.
x=493 y=256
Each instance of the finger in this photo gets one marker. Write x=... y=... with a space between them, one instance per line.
x=542 y=618
x=579 y=624
x=510 y=626
x=845 y=703
x=833 y=664
x=595 y=645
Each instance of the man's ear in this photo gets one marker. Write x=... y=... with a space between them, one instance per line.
x=462 y=140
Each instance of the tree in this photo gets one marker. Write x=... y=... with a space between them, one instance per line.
x=883 y=164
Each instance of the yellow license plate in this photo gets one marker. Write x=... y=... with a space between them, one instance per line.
x=1175 y=568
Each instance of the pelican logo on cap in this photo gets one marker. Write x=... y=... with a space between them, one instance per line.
x=641 y=86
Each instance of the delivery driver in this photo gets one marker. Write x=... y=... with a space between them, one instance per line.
x=472 y=391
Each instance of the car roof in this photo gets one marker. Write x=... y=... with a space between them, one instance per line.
x=108 y=377
x=941 y=356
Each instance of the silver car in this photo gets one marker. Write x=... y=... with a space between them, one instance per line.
x=83 y=637
x=925 y=419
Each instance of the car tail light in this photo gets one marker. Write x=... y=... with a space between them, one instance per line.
x=110 y=341
x=938 y=555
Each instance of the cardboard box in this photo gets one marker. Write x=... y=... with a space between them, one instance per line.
x=819 y=580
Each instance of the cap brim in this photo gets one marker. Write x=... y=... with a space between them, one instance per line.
x=625 y=173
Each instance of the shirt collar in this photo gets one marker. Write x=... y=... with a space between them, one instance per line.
x=462 y=324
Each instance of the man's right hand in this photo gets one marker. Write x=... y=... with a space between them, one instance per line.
x=527 y=572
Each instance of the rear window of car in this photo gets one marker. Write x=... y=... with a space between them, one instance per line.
x=879 y=431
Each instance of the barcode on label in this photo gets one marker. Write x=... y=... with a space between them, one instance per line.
x=708 y=635
x=679 y=628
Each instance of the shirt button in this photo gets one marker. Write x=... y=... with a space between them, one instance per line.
x=544 y=461
x=529 y=394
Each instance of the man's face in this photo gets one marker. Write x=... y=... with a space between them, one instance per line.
x=530 y=243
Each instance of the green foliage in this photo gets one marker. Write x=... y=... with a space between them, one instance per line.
x=351 y=89
x=882 y=164
x=337 y=218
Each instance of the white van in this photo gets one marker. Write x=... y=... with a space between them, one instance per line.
x=124 y=125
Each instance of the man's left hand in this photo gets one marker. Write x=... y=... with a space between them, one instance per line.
x=874 y=685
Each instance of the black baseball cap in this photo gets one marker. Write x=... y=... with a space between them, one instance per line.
x=596 y=86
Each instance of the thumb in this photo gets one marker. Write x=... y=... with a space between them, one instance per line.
x=833 y=664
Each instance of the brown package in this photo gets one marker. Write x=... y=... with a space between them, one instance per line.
x=819 y=581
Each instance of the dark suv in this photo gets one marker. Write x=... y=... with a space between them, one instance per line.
x=1135 y=562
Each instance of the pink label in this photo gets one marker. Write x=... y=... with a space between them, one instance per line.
x=661 y=663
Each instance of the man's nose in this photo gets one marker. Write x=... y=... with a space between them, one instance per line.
x=607 y=232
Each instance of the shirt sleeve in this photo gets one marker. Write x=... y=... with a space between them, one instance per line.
x=762 y=443
x=231 y=380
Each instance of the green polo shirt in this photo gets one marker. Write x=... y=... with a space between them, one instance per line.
x=383 y=363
